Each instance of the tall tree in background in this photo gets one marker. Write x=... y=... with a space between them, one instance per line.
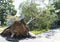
x=43 y=18
x=57 y=8
x=6 y=8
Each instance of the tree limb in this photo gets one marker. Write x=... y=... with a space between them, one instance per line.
x=31 y=19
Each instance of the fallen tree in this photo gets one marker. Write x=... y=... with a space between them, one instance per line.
x=18 y=29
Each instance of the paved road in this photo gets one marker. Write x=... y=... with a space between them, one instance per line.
x=49 y=36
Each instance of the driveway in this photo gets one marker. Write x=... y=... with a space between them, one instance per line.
x=49 y=36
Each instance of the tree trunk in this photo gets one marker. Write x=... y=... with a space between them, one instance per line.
x=2 y=23
x=30 y=21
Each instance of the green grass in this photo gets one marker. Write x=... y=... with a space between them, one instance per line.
x=39 y=31
x=3 y=26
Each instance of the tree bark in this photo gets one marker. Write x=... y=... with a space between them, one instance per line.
x=30 y=21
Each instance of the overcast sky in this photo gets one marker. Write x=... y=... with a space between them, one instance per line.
x=17 y=3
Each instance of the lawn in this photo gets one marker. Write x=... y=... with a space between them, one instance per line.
x=2 y=28
x=38 y=31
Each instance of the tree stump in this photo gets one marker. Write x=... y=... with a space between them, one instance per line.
x=18 y=29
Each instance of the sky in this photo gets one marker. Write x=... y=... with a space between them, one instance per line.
x=17 y=3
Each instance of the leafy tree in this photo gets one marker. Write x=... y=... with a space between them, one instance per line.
x=57 y=8
x=43 y=18
x=6 y=8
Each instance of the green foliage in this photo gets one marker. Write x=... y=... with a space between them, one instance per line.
x=57 y=8
x=6 y=8
x=29 y=9
x=43 y=18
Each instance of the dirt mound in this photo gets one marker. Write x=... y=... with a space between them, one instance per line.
x=18 y=29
